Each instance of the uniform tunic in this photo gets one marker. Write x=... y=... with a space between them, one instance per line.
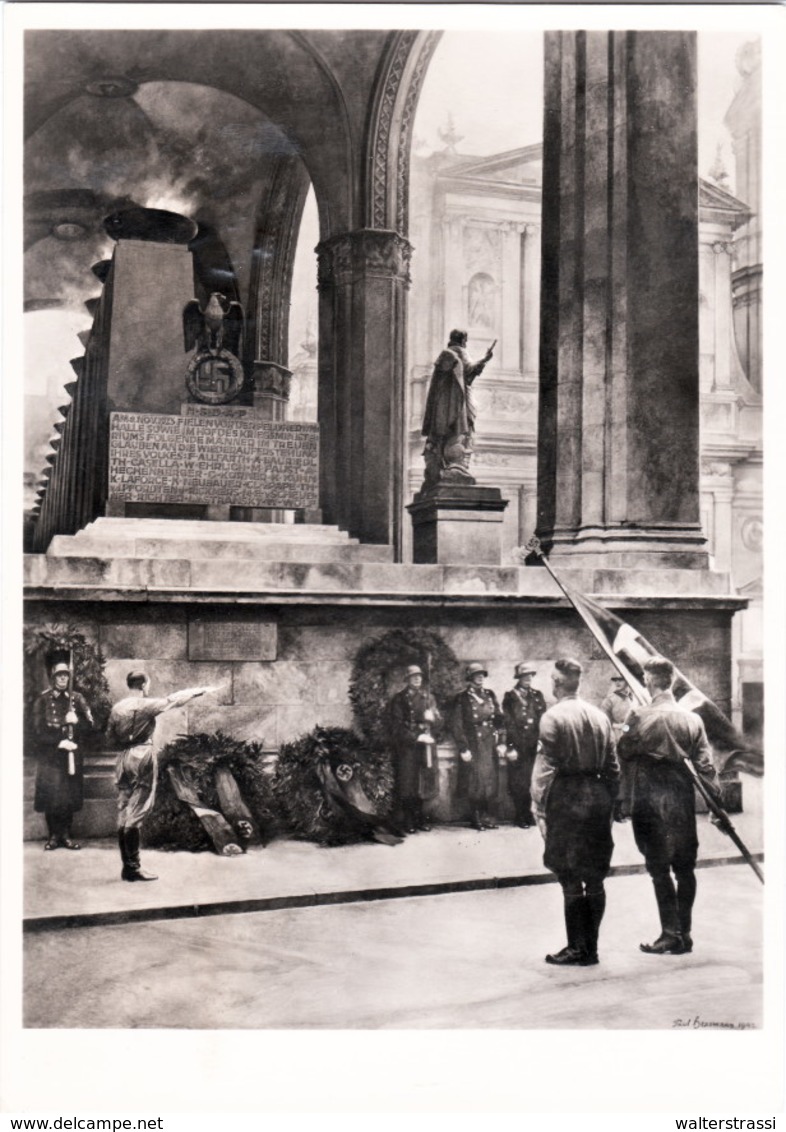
x=618 y=706
x=523 y=708
x=475 y=721
x=414 y=778
x=658 y=739
x=57 y=791
x=574 y=784
x=131 y=727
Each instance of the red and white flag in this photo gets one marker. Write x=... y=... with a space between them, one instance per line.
x=629 y=652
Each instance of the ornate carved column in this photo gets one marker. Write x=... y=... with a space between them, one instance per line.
x=618 y=476
x=363 y=277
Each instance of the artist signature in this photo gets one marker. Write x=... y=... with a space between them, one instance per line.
x=699 y=1023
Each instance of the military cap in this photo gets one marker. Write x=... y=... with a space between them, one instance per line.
x=524 y=668
x=413 y=670
x=568 y=667
x=473 y=670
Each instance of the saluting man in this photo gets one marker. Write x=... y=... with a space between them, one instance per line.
x=130 y=730
x=412 y=716
x=477 y=724
x=522 y=707
x=60 y=716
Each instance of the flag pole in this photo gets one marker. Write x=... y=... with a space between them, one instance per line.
x=535 y=547
x=723 y=820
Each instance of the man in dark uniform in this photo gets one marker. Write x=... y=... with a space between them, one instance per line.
x=60 y=716
x=412 y=716
x=618 y=705
x=574 y=784
x=522 y=707
x=657 y=741
x=131 y=726
x=476 y=724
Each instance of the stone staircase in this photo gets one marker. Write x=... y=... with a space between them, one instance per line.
x=193 y=539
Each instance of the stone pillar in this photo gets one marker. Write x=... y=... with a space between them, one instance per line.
x=530 y=299
x=743 y=119
x=618 y=475
x=363 y=278
x=454 y=314
x=511 y=305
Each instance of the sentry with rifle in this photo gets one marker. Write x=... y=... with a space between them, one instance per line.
x=58 y=715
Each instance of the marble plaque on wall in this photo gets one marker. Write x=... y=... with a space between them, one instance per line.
x=232 y=640
x=219 y=456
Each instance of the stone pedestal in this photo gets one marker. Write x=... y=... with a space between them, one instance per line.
x=457 y=525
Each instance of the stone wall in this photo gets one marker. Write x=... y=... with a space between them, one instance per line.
x=275 y=700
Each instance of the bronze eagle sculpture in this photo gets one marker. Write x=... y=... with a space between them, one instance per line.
x=216 y=326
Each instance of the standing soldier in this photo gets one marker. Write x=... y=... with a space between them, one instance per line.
x=658 y=739
x=574 y=785
x=476 y=724
x=60 y=716
x=618 y=705
x=132 y=724
x=412 y=716
x=522 y=706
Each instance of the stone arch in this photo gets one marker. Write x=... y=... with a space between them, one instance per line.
x=402 y=72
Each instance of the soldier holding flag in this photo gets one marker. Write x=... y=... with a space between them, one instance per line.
x=658 y=739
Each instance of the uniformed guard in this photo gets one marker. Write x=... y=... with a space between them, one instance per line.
x=412 y=718
x=522 y=707
x=618 y=705
x=658 y=739
x=574 y=784
x=477 y=726
x=61 y=716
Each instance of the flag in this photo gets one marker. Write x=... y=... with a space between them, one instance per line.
x=629 y=651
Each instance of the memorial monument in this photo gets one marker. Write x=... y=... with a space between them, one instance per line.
x=153 y=432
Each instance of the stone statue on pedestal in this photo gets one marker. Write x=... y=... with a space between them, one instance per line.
x=449 y=418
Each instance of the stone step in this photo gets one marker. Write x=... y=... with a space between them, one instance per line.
x=263 y=550
x=130 y=529
x=616 y=588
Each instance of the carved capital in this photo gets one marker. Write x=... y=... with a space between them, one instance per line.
x=366 y=252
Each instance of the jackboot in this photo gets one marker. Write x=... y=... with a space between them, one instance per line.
x=686 y=895
x=594 y=908
x=421 y=820
x=575 y=954
x=669 y=942
x=129 y=851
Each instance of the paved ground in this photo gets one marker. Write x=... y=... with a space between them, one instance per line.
x=448 y=929
x=463 y=960
x=87 y=884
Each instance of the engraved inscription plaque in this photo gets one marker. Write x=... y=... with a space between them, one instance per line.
x=232 y=640
x=218 y=456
